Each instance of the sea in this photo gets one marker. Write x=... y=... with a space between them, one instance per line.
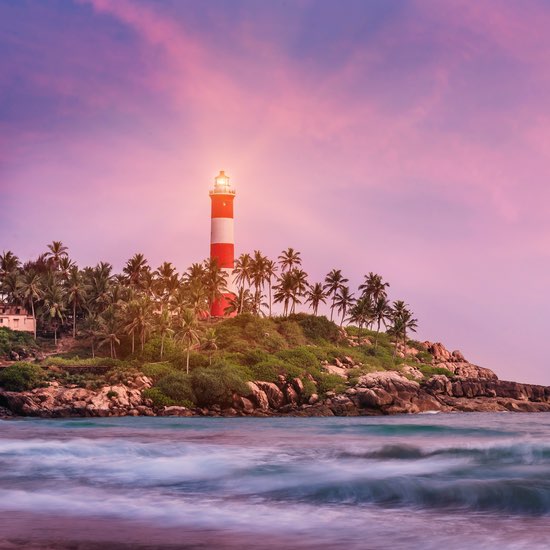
x=432 y=481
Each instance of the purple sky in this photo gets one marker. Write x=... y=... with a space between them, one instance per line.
x=406 y=138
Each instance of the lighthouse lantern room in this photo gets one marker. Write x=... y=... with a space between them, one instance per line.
x=222 y=241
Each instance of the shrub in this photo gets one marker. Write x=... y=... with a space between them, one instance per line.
x=292 y=332
x=215 y=386
x=22 y=377
x=112 y=394
x=56 y=361
x=270 y=369
x=157 y=397
x=330 y=382
x=302 y=358
x=122 y=373
x=157 y=370
x=429 y=370
x=317 y=328
x=13 y=339
x=309 y=388
x=178 y=388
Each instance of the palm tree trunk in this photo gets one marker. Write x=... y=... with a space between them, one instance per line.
x=270 y=297
x=93 y=348
x=161 y=346
x=74 y=319
x=332 y=306
x=187 y=363
x=377 y=332
x=55 y=336
x=133 y=341
x=34 y=317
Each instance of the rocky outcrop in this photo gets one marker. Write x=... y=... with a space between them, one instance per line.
x=60 y=401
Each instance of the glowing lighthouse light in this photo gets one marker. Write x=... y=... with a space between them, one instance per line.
x=222 y=240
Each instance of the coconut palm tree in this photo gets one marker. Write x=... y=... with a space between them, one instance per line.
x=187 y=332
x=401 y=321
x=11 y=287
x=76 y=292
x=109 y=330
x=31 y=291
x=301 y=287
x=163 y=327
x=9 y=262
x=215 y=281
x=56 y=251
x=210 y=343
x=374 y=287
x=242 y=302
x=289 y=259
x=290 y=287
x=134 y=269
x=344 y=301
x=315 y=296
x=270 y=270
x=53 y=304
x=381 y=314
x=131 y=320
x=92 y=329
x=242 y=273
x=362 y=312
x=333 y=282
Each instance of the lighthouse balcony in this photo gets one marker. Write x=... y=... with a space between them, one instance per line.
x=222 y=191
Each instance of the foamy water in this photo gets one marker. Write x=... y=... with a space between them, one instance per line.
x=458 y=481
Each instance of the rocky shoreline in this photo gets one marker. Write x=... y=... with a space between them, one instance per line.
x=469 y=388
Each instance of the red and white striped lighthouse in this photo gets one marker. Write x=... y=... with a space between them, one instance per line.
x=222 y=241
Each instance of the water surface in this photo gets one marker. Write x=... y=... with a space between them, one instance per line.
x=454 y=481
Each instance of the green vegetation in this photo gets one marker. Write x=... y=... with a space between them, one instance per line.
x=11 y=340
x=22 y=377
x=429 y=370
x=156 y=322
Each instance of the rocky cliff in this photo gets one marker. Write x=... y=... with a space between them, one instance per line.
x=466 y=388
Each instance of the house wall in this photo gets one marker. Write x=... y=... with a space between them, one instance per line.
x=23 y=323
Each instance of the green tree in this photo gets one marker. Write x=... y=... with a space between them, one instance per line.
x=76 y=292
x=333 y=282
x=163 y=327
x=31 y=291
x=343 y=302
x=187 y=332
x=210 y=343
x=289 y=259
x=54 y=304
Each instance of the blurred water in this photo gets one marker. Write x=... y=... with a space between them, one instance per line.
x=458 y=481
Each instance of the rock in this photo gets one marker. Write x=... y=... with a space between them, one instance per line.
x=176 y=411
x=457 y=356
x=258 y=396
x=374 y=398
x=334 y=369
x=298 y=385
x=291 y=395
x=313 y=398
x=412 y=372
x=243 y=404
x=275 y=396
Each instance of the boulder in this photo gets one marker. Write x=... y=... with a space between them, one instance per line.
x=275 y=396
x=258 y=396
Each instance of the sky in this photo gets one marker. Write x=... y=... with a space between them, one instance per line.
x=409 y=138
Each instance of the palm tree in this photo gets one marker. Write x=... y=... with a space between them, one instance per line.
x=289 y=258
x=9 y=262
x=362 y=312
x=31 y=291
x=131 y=322
x=92 y=329
x=344 y=300
x=64 y=267
x=382 y=313
x=402 y=321
x=163 y=327
x=333 y=282
x=242 y=302
x=56 y=251
x=258 y=277
x=54 y=304
x=315 y=296
x=270 y=270
x=210 y=343
x=187 y=332
x=109 y=330
x=11 y=287
x=134 y=269
x=76 y=292
x=374 y=287
x=301 y=286
x=242 y=272
x=290 y=287
x=215 y=281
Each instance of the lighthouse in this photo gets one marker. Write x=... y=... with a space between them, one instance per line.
x=222 y=241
